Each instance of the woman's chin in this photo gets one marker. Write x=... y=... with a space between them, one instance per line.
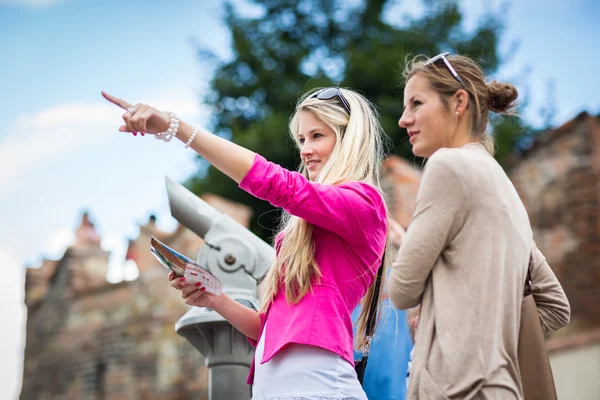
x=421 y=151
x=417 y=151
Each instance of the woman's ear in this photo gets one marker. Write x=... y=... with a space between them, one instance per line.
x=461 y=98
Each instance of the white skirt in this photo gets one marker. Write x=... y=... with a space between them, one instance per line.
x=303 y=372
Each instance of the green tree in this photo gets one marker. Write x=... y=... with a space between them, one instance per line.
x=295 y=45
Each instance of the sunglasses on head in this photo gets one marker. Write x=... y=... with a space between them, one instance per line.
x=330 y=93
x=448 y=65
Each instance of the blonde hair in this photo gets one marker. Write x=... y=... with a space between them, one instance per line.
x=494 y=96
x=356 y=156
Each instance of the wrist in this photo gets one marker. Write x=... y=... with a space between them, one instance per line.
x=184 y=132
x=191 y=139
x=172 y=129
x=216 y=302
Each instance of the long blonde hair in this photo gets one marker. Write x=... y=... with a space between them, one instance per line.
x=357 y=156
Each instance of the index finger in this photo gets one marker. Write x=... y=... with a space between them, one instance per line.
x=116 y=100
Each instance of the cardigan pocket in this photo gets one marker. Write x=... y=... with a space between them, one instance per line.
x=428 y=388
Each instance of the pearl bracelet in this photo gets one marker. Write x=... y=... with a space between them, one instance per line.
x=173 y=127
x=187 y=144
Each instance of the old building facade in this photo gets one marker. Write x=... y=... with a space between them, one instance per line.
x=91 y=339
x=558 y=179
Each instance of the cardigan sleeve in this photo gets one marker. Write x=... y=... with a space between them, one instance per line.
x=550 y=299
x=349 y=210
x=439 y=213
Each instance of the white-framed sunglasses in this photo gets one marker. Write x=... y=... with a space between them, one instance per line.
x=330 y=93
x=448 y=65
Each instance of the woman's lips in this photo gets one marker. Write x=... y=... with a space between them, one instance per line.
x=311 y=164
x=412 y=135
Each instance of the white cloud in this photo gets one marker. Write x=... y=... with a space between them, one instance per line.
x=74 y=113
x=33 y=3
x=36 y=138
x=45 y=135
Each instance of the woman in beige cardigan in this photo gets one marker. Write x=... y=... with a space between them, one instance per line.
x=466 y=252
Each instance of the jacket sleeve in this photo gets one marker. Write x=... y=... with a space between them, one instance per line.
x=348 y=210
x=550 y=299
x=439 y=214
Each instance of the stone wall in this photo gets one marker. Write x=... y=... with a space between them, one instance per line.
x=112 y=341
x=91 y=339
x=558 y=180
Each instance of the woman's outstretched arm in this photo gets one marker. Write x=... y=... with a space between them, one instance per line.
x=231 y=159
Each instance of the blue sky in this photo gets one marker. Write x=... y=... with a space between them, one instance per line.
x=60 y=151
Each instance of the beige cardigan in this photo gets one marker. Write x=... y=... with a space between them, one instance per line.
x=464 y=258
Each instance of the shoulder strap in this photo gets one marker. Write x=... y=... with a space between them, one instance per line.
x=528 y=290
x=372 y=317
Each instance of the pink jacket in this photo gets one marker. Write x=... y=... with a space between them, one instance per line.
x=350 y=225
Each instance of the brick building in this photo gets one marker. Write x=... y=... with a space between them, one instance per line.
x=558 y=179
x=91 y=339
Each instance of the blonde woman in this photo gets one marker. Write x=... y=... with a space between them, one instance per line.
x=330 y=246
x=466 y=254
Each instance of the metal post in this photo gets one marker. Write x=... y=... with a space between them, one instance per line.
x=238 y=258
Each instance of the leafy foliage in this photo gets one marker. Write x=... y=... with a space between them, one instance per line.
x=295 y=45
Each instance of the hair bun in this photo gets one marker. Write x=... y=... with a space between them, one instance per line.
x=502 y=97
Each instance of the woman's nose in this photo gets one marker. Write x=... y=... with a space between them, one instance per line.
x=306 y=150
x=405 y=120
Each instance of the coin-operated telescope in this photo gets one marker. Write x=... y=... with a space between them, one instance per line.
x=238 y=258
